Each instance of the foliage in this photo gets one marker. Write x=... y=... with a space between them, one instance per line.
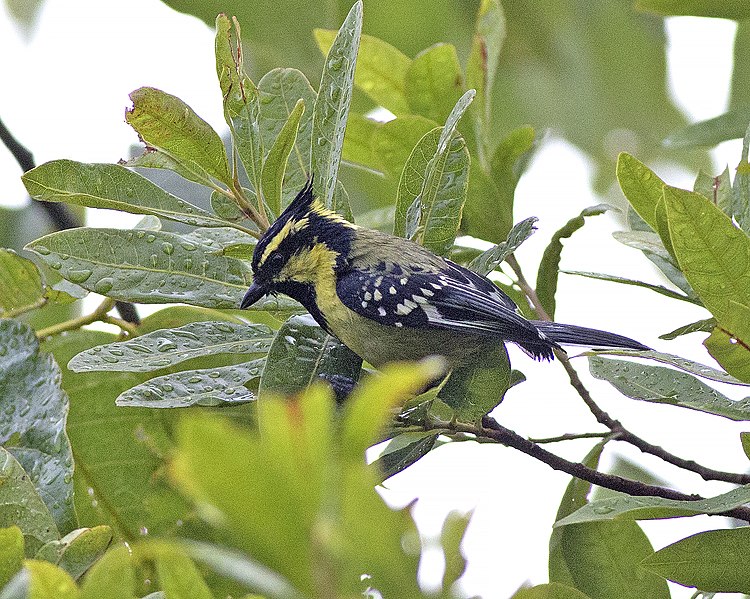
x=260 y=484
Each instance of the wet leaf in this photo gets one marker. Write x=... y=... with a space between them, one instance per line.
x=77 y=551
x=21 y=505
x=492 y=258
x=332 y=104
x=112 y=577
x=699 y=326
x=204 y=387
x=35 y=408
x=145 y=267
x=402 y=451
x=625 y=281
x=664 y=385
x=280 y=90
x=552 y=590
x=381 y=70
x=546 y=278
x=627 y=507
x=167 y=347
x=113 y=187
x=166 y=123
x=729 y=352
x=301 y=352
x=20 y=283
x=393 y=142
x=274 y=168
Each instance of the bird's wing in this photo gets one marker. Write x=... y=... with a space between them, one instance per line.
x=452 y=298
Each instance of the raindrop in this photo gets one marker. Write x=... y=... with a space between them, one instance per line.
x=214 y=374
x=104 y=285
x=603 y=509
x=167 y=387
x=165 y=345
x=79 y=276
x=194 y=379
x=150 y=238
x=40 y=249
x=140 y=234
x=335 y=63
x=56 y=265
x=143 y=531
x=167 y=248
x=116 y=352
x=154 y=259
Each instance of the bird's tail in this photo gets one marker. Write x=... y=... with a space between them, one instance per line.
x=575 y=335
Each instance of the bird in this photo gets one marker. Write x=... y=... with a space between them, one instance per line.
x=390 y=299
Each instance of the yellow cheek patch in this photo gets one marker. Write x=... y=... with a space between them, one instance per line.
x=312 y=265
x=290 y=228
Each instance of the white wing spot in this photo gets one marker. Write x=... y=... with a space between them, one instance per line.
x=377 y=295
x=410 y=304
x=399 y=324
x=381 y=311
x=378 y=281
x=368 y=295
x=436 y=286
x=392 y=290
x=427 y=292
x=364 y=304
x=419 y=299
x=403 y=309
x=404 y=281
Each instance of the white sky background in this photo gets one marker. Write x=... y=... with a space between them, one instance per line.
x=63 y=93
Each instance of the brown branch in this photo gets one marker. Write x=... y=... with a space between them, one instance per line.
x=614 y=425
x=491 y=429
x=571 y=437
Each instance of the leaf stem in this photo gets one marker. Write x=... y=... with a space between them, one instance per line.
x=76 y=323
x=23 y=309
x=128 y=327
x=570 y=437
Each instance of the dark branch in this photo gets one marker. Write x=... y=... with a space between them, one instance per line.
x=616 y=426
x=59 y=214
x=491 y=429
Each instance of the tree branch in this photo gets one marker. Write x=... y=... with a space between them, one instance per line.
x=602 y=417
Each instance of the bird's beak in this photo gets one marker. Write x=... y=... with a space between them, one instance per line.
x=253 y=295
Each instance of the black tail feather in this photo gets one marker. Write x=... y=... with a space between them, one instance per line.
x=575 y=335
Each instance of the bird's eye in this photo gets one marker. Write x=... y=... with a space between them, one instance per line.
x=276 y=261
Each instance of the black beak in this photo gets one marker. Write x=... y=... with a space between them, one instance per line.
x=253 y=295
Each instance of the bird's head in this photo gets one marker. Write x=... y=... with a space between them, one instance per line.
x=301 y=250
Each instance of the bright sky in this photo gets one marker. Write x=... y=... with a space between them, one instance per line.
x=64 y=92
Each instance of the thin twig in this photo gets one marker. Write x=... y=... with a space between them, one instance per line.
x=77 y=323
x=128 y=327
x=570 y=437
x=614 y=425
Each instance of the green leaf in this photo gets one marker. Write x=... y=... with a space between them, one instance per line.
x=300 y=353
x=240 y=567
x=358 y=138
x=280 y=90
x=167 y=124
x=552 y=590
x=77 y=551
x=454 y=529
x=204 y=387
x=369 y=408
x=715 y=257
x=627 y=507
x=489 y=33
x=21 y=505
x=167 y=347
x=119 y=477
x=33 y=427
x=699 y=326
x=475 y=390
x=434 y=82
x=711 y=132
x=492 y=258
x=274 y=167
x=741 y=188
x=664 y=385
x=113 y=187
x=725 y=9
x=218 y=238
x=178 y=576
x=718 y=189
x=381 y=70
x=112 y=577
x=144 y=267
x=641 y=186
x=488 y=213
x=393 y=142
x=241 y=99
x=20 y=283
x=45 y=580
x=690 y=366
x=226 y=208
x=546 y=278
x=332 y=104
x=714 y=561
x=729 y=352
x=11 y=553
x=402 y=451
x=745 y=439
x=625 y=281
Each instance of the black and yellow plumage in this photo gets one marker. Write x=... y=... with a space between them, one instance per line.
x=389 y=299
